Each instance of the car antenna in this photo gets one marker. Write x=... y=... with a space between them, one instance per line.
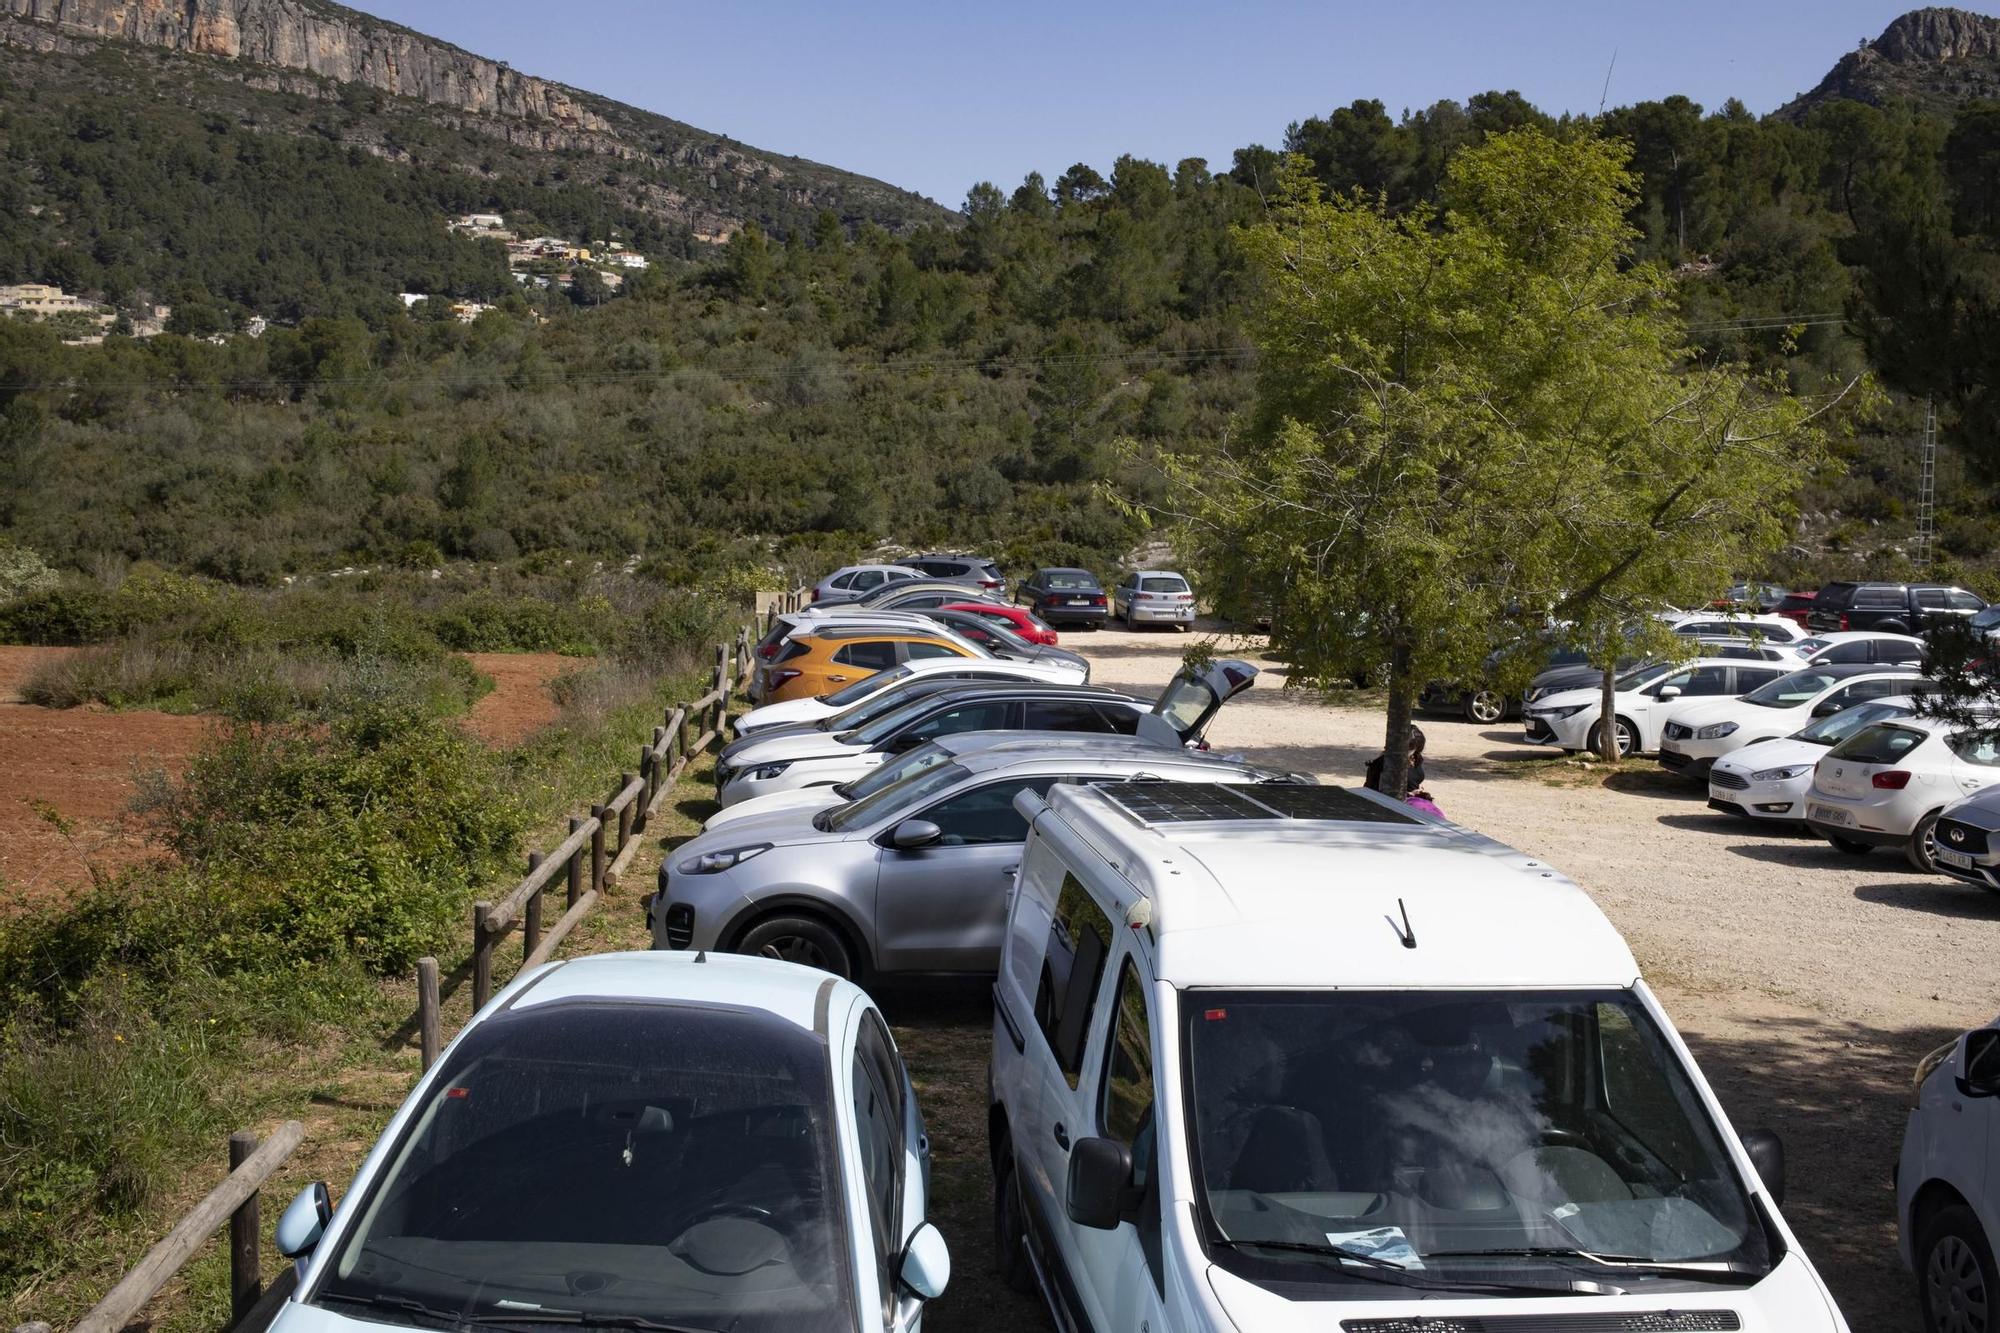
x=701 y=956
x=1406 y=932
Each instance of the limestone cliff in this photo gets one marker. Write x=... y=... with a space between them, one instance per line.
x=1933 y=58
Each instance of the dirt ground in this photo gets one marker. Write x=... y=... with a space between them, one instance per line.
x=1808 y=983
x=520 y=702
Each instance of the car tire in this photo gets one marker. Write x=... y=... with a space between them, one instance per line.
x=1922 y=846
x=1486 y=707
x=1628 y=738
x=1010 y=1229
x=800 y=939
x=1849 y=845
x=1955 y=1270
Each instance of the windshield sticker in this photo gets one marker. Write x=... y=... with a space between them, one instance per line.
x=1388 y=1244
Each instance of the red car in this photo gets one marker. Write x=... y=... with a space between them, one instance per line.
x=1017 y=618
x=1796 y=606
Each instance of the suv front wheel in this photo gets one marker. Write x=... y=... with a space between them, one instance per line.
x=799 y=939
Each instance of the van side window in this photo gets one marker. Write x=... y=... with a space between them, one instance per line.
x=1072 y=968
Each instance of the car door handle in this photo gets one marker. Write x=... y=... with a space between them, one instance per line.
x=1062 y=1137
x=836 y=679
x=1011 y=871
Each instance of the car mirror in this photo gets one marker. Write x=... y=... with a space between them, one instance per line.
x=1669 y=692
x=304 y=1221
x=914 y=833
x=1980 y=1066
x=926 y=1265
x=1827 y=708
x=1100 y=1180
x=1767 y=1154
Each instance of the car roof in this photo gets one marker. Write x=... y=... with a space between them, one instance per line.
x=1842 y=670
x=936 y=634
x=788 y=990
x=1312 y=890
x=1833 y=636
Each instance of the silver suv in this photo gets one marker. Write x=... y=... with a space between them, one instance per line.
x=912 y=879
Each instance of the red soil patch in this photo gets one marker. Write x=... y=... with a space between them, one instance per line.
x=520 y=703
x=82 y=765
x=17 y=664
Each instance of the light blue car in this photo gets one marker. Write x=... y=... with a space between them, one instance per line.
x=644 y=1141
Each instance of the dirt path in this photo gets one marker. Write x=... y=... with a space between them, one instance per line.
x=1807 y=982
x=520 y=703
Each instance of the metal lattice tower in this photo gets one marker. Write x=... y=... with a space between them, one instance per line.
x=1927 y=489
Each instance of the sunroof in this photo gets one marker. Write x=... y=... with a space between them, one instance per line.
x=1203 y=802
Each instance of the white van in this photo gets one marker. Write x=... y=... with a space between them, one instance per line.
x=1301 y=1058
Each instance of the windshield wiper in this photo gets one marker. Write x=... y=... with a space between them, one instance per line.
x=1377 y=1269
x=588 y=1319
x=402 y=1304
x=1723 y=1272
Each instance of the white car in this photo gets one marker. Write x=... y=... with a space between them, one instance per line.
x=1227 y=1095
x=1844 y=647
x=1644 y=697
x=1948 y=1185
x=1771 y=629
x=1700 y=733
x=1768 y=779
x=1968 y=840
x=639 y=1141
x=804 y=711
x=1886 y=785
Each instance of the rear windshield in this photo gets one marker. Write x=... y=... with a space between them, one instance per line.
x=1168 y=584
x=1068 y=579
x=1880 y=744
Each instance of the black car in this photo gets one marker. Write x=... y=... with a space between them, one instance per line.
x=1897 y=608
x=1066 y=597
x=975 y=570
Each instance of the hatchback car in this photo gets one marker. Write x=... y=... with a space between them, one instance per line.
x=1021 y=620
x=833 y=656
x=975 y=570
x=806 y=712
x=1643 y=698
x=1967 y=841
x=911 y=879
x=1066 y=597
x=1886 y=785
x=1948 y=1184
x=851 y=581
x=1153 y=597
x=1768 y=779
x=639 y=1141
x=1699 y=734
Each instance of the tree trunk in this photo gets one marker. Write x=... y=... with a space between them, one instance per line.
x=1396 y=741
x=1607 y=719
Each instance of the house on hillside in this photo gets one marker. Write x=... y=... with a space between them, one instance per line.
x=626 y=259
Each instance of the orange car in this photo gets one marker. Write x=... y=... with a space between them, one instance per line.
x=832 y=657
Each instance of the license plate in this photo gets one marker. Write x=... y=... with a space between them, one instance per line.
x=1963 y=860
x=1079 y=601
x=1716 y=793
x=1830 y=814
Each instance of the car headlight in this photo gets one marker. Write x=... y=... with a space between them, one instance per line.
x=1715 y=731
x=1554 y=714
x=765 y=772
x=1784 y=774
x=1928 y=1066
x=708 y=863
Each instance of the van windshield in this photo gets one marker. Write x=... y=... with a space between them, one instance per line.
x=1517 y=1136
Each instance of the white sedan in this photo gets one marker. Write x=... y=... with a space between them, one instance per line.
x=1886 y=785
x=1699 y=734
x=639 y=1141
x=799 y=711
x=1768 y=779
x=1643 y=699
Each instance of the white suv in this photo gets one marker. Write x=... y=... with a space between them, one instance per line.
x=1948 y=1184
x=1302 y=1058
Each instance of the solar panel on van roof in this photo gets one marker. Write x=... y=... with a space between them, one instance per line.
x=1202 y=802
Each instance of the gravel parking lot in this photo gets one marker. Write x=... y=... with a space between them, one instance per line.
x=1809 y=983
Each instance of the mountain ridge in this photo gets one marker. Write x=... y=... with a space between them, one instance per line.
x=1935 y=58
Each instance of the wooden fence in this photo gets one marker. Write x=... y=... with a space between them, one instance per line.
x=598 y=848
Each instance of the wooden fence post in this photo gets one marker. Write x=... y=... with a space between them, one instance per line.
x=245 y=1277
x=575 y=868
x=597 y=849
x=645 y=796
x=427 y=1010
x=625 y=814
x=531 y=919
x=482 y=956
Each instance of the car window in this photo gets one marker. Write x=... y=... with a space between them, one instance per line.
x=1931 y=599
x=920 y=650
x=868 y=654
x=1749 y=678
x=1125 y=1102
x=869 y=578
x=1708 y=680
x=1163 y=585
x=985 y=815
x=1079 y=582
x=1960 y=600
x=1859 y=650
x=987 y=715
x=1065 y=715
x=843 y=582
x=1981 y=748
x=1863 y=690
x=1900 y=651
x=878 y=1123
x=1879 y=598
x=1079 y=942
x=924 y=601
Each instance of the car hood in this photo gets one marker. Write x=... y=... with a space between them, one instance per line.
x=1701 y=712
x=770 y=747
x=780 y=828
x=1567 y=698
x=1748 y=759
x=810 y=799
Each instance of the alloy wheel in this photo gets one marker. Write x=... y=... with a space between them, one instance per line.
x=1485 y=707
x=1958 y=1299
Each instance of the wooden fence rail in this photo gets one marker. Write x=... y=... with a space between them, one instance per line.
x=597 y=849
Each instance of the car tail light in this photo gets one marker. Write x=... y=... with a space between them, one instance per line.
x=1894 y=780
x=815 y=594
x=1843 y=620
x=989 y=583
x=767 y=651
x=1097 y=600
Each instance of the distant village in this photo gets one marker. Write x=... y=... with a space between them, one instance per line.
x=542 y=262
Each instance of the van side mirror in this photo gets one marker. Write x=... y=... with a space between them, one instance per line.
x=926 y=1265
x=914 y=833
x=1980 y=1071
x=1100 y=1183
x=304 y=1221
x=1767 y=1154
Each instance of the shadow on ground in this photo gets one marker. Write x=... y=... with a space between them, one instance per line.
x=1935 y=894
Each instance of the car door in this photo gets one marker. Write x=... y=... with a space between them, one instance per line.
x=1184 y=708
x=862 y=657
x=943 y=907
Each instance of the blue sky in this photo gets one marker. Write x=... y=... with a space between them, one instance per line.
x=935 y=96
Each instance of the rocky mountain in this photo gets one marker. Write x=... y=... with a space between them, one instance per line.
x=320 y=50
x=1935 y=58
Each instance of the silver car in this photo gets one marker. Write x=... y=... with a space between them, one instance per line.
x=1153 y=597
x=851 y=581
x=912 y=879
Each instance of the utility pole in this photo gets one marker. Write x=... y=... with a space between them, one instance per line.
x=1927 y=490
